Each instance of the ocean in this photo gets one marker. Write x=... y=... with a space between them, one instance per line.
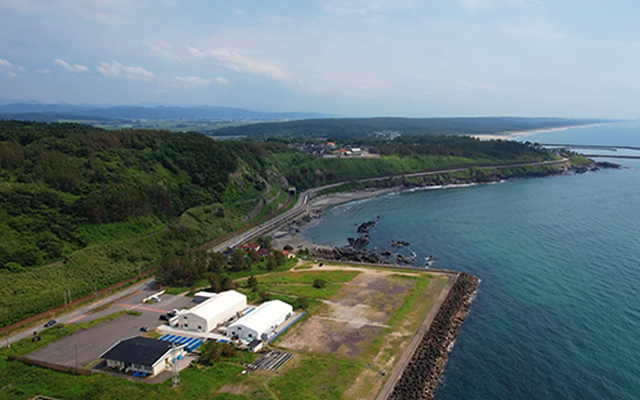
x=557 y=314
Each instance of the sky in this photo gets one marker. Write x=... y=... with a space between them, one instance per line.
x=419 y=58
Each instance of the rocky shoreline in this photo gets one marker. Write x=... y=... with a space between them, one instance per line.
x=291 y=234
x=421 y=375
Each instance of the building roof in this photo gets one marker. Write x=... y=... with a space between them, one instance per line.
x=262 y=317
x=138 y=350
x=264 y=252
x=205 y=294
x=217 y=305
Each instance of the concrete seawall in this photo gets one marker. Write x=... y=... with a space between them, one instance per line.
x=417 y=373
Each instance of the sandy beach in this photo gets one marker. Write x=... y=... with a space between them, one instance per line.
x=510 y=135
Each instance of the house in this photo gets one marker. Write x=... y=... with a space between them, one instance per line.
x=264 y=252
x=261 y=323
x=142 y=355
x=341 y=152
x=288 y=254
x=213 y=312
x=249 y=247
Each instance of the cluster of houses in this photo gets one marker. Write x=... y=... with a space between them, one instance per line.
x=261 y=251
x=330 y=150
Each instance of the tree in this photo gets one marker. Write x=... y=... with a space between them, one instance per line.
x=264 y=242
x=252 y=282
x=227 y=283
x=237 y=260
x=303 y=303
x=217 y=262
x=271 y=262
x=264 y=296
x=214 y=281
x=213 y=352
x=319 y=283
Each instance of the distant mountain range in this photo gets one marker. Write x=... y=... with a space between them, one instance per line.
x=35 y=111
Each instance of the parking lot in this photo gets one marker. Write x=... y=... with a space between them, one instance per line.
x=86 y=346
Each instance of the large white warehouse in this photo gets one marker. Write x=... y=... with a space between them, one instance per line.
x=209 y=314
x=261 y=322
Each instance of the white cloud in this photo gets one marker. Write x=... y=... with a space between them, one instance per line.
x=164 y=50
x=222 y=81
x=12 y=74
x=69 y=67
x=235 y=61
x=115 y=69
x=5 y=63
x=43 y=71
x=193 y=81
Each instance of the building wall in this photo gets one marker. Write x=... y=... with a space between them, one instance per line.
x=243 y=332
x=193 y=322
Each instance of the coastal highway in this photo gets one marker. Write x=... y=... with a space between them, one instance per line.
x=302 y=203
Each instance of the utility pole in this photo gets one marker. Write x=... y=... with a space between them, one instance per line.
x=174 y=367
x=76 y=346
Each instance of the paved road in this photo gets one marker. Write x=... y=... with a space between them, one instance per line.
x=85 y=346
x=303 y=200
x=81 y=312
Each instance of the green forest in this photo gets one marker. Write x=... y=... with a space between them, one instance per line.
x=361 y=128
x=82 y=208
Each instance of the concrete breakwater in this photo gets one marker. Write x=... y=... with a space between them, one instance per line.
x=420 y=376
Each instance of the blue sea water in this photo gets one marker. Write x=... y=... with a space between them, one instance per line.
x=557 y=314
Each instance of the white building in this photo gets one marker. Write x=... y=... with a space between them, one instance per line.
x=261 y=322
x=209 y=314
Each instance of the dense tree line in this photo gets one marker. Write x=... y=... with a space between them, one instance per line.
x=186 y=270
x=458 y=146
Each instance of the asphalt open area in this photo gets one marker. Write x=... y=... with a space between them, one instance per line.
x=91 y=343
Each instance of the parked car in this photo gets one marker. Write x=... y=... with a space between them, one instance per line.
x=163 y=317
x=50 y=323
x=144 y=329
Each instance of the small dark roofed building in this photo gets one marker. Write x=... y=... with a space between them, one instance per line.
x=140 y=354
